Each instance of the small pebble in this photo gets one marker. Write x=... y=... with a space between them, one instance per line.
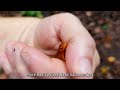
x=89 y=13
x=98 y=30
x=92 y=24
x=107 y=45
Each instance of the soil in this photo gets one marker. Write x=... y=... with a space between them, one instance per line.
x=104 y=26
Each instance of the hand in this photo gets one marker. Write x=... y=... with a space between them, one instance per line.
x=81 y=55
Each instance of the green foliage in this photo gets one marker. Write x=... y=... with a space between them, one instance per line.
x=104 y=26
x=32 y=13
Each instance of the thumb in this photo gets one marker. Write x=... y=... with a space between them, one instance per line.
x=79 y=57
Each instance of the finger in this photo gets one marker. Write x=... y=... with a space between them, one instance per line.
x=38 y=62
x=79 y=56
x=9 y=51
x=7 y=67
x=5 y=64
x=18 y=63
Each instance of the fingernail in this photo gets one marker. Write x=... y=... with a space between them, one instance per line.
x=86 y=68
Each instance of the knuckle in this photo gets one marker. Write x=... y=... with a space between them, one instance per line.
x=24 y=51
x=70 y=16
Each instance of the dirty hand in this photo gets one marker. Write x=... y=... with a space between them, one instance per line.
x=81 y=57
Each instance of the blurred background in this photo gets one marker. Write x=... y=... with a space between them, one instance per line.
x=104 y=26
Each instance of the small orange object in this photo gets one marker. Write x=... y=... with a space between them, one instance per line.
x=61 y=51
